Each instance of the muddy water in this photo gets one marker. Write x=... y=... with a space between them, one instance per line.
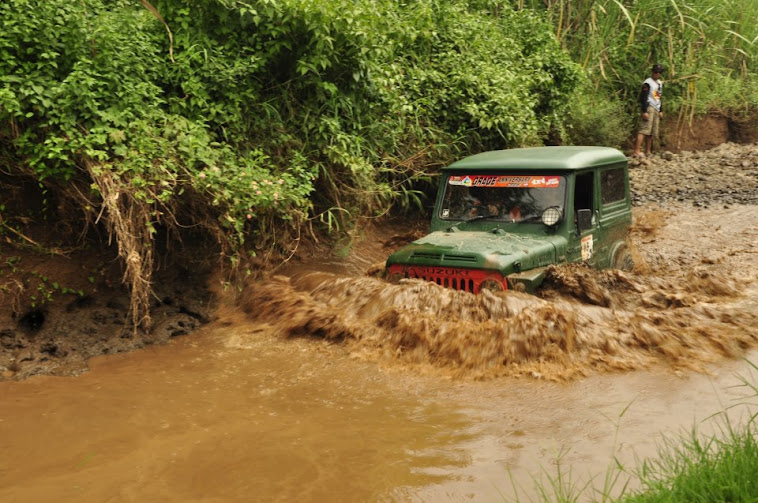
x=333 y=387
x=228 y=416
x=232 y=415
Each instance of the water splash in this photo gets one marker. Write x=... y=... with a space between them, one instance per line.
x=585 y=321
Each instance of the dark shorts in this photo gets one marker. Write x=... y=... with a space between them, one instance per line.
x=649 y=127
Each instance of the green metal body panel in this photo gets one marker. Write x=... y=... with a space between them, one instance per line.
x=497 y=251
x=595 y=179
x=540 y=159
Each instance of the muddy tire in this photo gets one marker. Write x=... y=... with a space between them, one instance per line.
x=394 y=278
x=622 y=259
x=491 y=285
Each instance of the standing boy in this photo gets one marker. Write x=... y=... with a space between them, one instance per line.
x=650 y=106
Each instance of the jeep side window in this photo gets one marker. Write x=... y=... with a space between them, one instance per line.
x=612 y=185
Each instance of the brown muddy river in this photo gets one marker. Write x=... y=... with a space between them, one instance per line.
x=329 y=386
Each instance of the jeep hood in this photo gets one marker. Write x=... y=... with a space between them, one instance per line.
x=493 y=250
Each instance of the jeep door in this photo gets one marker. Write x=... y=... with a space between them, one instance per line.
x=582 y=241
x=615 y=214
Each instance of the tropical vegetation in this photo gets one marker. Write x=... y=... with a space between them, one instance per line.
x=251 y=123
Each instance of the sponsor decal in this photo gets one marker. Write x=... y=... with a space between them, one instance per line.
x=537 y=182
x=552 y=181
x=484 y=181
x=464 y=181
x=506 y=181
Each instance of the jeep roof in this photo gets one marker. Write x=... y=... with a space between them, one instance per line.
x=540 y=159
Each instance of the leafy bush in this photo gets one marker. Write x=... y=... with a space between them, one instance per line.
x=245 y=117
x=593 y=119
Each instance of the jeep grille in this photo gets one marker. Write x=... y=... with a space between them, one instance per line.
x=467 y=280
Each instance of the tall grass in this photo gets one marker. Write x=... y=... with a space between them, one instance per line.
x=710 y=47
x=704 y=469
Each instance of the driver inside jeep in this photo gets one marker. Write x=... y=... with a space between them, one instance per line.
x=484 y=203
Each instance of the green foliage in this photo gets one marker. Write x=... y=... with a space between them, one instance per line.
x=243 y=117
x=709 y=47
x=704 y=469
x=594 y=119
x=17 y=281
x=268 y=88
x=91 y=84
x=46 y=290
x=492 y=81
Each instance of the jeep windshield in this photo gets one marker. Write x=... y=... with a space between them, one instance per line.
x=501 y=197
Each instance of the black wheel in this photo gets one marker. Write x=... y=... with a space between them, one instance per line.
x=623 y=260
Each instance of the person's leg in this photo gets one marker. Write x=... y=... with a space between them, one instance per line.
x=655 y=123
x=638 y=145
x=643 y=134
x=648 y=145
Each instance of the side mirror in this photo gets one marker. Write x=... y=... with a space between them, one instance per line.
x=583 y=220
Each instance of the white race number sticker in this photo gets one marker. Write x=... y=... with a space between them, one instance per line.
x=587 y=247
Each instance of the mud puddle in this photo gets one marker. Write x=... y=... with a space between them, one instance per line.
x=228 y=416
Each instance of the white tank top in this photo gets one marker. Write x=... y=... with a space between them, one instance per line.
x=656 y=91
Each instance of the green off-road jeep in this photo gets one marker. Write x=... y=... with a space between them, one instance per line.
x=502 y=217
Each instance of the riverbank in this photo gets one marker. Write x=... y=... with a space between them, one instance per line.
x=59 y=309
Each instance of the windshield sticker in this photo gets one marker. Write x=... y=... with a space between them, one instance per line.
x=445 y=213
x=508 y=181
x=587 y=247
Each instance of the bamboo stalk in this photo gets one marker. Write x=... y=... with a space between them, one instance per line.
x=158 y=16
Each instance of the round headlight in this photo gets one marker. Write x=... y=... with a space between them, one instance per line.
x=551 y=216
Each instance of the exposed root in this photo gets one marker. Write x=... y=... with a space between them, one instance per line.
x=130 y=220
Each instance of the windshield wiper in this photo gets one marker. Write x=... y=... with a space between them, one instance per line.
x=469 y=219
